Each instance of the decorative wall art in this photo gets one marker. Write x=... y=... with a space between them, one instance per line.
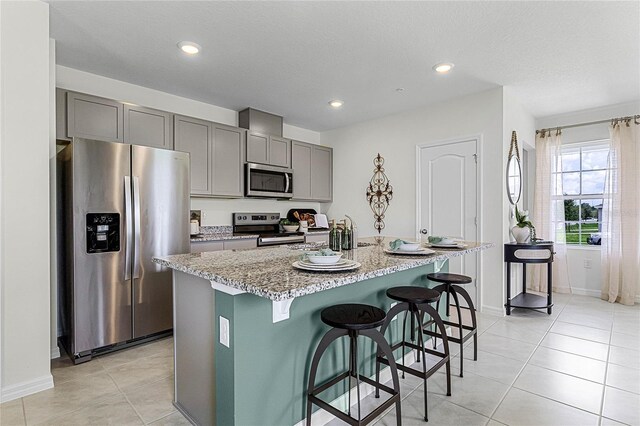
x=379 y=193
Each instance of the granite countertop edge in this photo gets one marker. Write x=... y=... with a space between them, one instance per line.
x=222 y=237
x=330 y=283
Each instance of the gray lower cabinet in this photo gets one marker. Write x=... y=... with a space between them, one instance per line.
x=148 y=127
x=195 y=137
x=320 y=237
x=92 y=117
x=228 y=161
x=266 y=149
x=313 y=171
x=204 y=246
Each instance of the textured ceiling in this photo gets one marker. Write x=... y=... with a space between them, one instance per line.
x=291 y=58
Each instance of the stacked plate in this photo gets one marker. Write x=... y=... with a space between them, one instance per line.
x=421 y=251
x=449 y=246
x=341 y=265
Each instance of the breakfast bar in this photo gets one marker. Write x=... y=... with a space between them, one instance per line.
x=246 y=324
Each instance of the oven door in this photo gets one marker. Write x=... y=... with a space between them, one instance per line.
x=268 y=181
x=278 y=241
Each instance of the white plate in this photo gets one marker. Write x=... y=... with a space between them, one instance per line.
x=454 y=245
x=315 y=268
x=341 y=262
x=420 y=252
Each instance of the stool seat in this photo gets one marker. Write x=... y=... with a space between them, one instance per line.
x=412 y=294
x=446 y=278
x=353 y=316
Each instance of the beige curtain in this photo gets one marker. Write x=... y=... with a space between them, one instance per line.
x=621 y=216
x=548 y=213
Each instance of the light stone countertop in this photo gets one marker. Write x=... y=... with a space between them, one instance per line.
x=268 y=272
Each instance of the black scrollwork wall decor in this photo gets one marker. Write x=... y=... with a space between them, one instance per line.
x=379 y=193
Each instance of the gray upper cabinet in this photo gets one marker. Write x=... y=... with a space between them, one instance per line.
x=148 y=127
x=279 y=151
x=312 y=171
x=94 y=118
x=301 y=165
x=228 y=161
x=257 y=148
x=195 y=137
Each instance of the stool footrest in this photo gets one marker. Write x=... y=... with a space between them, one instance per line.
x=330 y=383
x=416 y=372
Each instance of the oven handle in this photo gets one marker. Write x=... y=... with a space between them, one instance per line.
x=286 y=189
x=279 y=240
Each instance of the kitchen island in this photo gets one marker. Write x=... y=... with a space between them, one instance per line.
x=246 y=324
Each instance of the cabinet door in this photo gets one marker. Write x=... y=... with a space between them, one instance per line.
x=92 y=117
x=228 y=160
x=321 y=173
x=257 y=148
x=194 y=136
x=301 y=165
x=279 y=151
x=204 y=246
x=240 y=244
x=148 y=127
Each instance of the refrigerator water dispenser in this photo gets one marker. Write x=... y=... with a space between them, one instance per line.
x=103 y=232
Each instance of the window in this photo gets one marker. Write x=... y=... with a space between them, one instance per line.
x=584 y=170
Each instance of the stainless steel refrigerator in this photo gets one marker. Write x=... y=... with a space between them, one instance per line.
x=118 y=206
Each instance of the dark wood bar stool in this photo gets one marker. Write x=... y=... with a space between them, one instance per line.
x=451 y=286
x=415 y=303
x=353 y=320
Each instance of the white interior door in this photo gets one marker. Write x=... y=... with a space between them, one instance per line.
x=448 y=204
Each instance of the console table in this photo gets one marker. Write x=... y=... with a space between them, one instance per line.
x=529 y=253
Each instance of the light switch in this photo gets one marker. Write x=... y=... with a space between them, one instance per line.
x=224 y=331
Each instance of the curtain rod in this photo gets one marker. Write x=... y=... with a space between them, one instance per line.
x=630 y=117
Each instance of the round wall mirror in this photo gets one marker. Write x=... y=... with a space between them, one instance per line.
x=514 y=179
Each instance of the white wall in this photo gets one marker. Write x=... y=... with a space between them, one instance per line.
x=24 y=198
x=584 y=262
x=215 y=211
x=395 y=138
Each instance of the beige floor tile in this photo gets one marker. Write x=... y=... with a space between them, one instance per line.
x=473 y=392
x=492 y=366
x=124 y=356
x=576 y=346
x=628 y=341
x=526 y=409
x=174 y=419
x=608 y=422
x=574 y=365
x=63 y=369
x=537 y=323
x=143 y=370
x=506 y=347
x=494 y=423
x=516 y=331
x=12 y=413
x=581 y=332
x=624 y=378
x=624 y=356
x=153 y=400
x=587 y=318
x=108 y=411
x=560 y=387
x=621 y=406
x=67 y=397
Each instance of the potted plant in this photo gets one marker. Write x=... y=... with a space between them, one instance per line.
x=289 y=226
x=524 y=229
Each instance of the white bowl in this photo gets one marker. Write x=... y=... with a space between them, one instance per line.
x=409 y=246
x=290 y=228
x=325 y=260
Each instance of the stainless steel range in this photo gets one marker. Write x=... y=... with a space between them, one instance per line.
x=267 y=226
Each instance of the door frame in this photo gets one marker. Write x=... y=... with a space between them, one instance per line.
x=479 y=197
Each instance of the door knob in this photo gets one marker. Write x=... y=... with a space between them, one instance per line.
x=424 y=231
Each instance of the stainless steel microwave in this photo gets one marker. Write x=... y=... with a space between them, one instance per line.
x=268 y=181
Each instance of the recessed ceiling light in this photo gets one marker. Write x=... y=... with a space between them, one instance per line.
x=189 y=47
x=443 y=68
x=336 y=103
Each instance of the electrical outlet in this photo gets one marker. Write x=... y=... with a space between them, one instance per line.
x=587 y=264
x=224 y=331
x=392 y=305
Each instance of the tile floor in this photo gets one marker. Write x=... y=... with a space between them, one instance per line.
x=579 y=366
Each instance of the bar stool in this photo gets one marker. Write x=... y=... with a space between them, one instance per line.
x=353 y=320
x=451 y=286
x=415 y=301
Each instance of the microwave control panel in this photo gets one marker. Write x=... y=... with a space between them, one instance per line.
x=103 y=232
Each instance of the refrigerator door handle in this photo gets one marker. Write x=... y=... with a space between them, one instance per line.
x=136 y=227
x=128 y=217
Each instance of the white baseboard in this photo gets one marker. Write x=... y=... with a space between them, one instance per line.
x=322 y=417
x=9 y=393
x=492 y=310
x=55 y=352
